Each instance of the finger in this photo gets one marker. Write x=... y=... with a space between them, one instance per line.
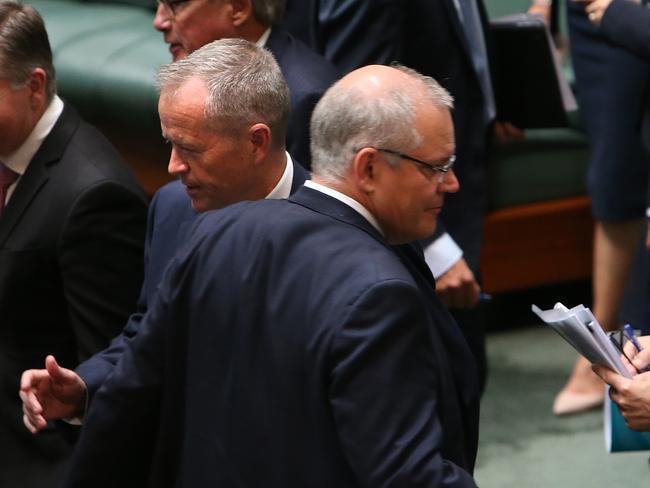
x=31 y=378
x=642 y=359
x=610 y=377
x=29 y=425
x=31 y=402
x=34 y=426
x=36 y=421
x=57 y=373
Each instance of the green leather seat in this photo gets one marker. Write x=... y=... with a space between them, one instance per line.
x=106 y=55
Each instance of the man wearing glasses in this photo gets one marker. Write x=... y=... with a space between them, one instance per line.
x=189 y=24
x=325 y=358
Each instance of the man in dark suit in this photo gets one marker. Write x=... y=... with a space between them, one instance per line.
x=72 y=221
x=235 y=153
x=445 y=39
x=300 y=343
x=189 y=25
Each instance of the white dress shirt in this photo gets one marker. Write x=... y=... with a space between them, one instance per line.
x=18 y=161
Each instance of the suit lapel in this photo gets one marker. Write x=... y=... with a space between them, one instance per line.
x=460 y=358
x=37 y=174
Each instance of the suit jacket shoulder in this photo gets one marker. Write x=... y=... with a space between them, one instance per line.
x=308 y=75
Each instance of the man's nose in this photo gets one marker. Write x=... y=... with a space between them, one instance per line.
x=449 y=183
x=176 y=165
x=162 y=19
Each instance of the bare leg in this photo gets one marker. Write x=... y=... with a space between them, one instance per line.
x=614 y=247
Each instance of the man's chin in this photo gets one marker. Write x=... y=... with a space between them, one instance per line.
x=177 y=52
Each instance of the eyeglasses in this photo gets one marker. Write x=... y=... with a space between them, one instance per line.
x=430 y=168
x=619 y=338
x=172 y=6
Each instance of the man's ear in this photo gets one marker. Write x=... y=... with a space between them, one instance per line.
x=38 y=87
x=242 y=11
x=366 y=169
x=259 y=136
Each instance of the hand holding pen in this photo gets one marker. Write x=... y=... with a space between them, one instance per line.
x=637 y=349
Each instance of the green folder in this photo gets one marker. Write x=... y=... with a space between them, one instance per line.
x=618 y=436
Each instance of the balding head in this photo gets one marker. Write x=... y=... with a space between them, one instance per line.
x=372 y=106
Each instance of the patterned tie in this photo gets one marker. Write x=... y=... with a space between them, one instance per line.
x=7 y=178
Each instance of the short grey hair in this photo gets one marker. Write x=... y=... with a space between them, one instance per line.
x=245 y=85
x=24 y=46
x=346 y=120
x=269 y=12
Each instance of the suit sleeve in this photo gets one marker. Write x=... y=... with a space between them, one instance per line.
x=353 y=33
x=97 y=368
x=385 y=391
x=100 y=258
x=627 y=24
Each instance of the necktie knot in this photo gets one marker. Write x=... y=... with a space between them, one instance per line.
x=7 y=178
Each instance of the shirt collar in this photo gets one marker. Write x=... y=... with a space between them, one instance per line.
x=349 y=201
x=20 y=158
x=261 y=42
x=283 y=188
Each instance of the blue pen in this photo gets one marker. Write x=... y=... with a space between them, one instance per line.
x=629 y=332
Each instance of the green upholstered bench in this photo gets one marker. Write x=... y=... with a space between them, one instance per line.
x=106 y=54
x=538 y=229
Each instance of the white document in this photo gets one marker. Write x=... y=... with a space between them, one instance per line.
x=579 y=327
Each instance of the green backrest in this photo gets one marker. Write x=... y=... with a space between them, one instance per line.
x=550 y=163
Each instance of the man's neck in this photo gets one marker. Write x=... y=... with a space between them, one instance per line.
x=252 y=31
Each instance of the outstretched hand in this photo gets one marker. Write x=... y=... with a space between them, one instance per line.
x=49 y=394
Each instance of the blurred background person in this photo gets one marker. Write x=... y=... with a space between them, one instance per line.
x=72 y=222
x=610 y=82
x=187 y=26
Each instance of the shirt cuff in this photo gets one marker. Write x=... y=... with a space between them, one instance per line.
x=442 y=254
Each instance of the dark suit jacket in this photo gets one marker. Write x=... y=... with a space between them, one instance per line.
x=170 y=219
x=71 y=244
x=308 y=75
x=425 y=35
x=289 y=346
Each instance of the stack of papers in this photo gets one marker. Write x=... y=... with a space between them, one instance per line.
x=579 y=327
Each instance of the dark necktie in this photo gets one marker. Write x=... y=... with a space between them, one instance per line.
x=7 y=178
x=471 y=20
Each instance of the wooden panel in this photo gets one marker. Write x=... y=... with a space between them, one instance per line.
x=147 y=154
x=537 y=244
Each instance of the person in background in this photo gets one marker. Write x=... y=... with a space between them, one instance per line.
x=72 y=224
x=610 y=82
x=187 y=26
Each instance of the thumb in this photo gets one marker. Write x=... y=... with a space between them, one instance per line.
x=56 y=372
